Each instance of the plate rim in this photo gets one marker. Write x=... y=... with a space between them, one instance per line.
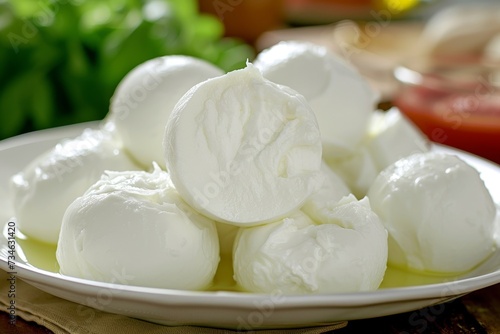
x=228 y=298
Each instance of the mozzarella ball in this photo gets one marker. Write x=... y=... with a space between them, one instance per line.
x=243 y=150
x=438 y=212
x=332 y=190
x=42 y=191
x=357 y=169
x=136 y=224
x=144 y=99
x=344 y=252
x=392 y=136
x=340 y=97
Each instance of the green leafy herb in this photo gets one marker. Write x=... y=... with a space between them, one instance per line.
x=62 y=59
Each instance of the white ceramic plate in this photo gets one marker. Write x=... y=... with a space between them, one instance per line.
x=401 y=292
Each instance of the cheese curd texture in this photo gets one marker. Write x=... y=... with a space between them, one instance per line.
x=390 y=136
x=243 y=150
x=346 y=251
x=135 y=225
x=332 y=190
x=42 y=191
x=340 y=97
x=144 y=99
x=357 y=169
x=438 y=212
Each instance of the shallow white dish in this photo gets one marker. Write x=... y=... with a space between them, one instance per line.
x=401 y=292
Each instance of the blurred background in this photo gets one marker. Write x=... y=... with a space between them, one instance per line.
x=60 y=60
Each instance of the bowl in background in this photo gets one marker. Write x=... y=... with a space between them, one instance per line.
x=454 y=102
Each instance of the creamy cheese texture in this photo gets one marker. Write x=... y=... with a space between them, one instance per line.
x=144 y=99
x=438 y=212
x=278 y=178
x=357 y=169
x=344 y=252
x=134 y=226
x=242 y=149
x=42 y=191
x=389 y=137
x=332 y=190
x=340 y=97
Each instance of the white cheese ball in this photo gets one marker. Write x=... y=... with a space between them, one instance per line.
x=344 y=252
x=340 y=97
x=42 y=191
x=332 y=190
x=357 y=169
x=438 y=212
x=390 y=136
x=243 y=150
x=136 y=225
x=144 y=99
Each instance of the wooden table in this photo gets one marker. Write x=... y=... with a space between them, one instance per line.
x=477 y=312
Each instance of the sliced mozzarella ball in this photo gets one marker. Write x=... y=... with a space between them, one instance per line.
x=136 y=225
x=346 y=252
x=438 y=212
x=340 y=97
x=243 y=150
x=144 y=99
x=42 y=191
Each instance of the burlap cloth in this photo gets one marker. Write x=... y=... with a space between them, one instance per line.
x=62 y=317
